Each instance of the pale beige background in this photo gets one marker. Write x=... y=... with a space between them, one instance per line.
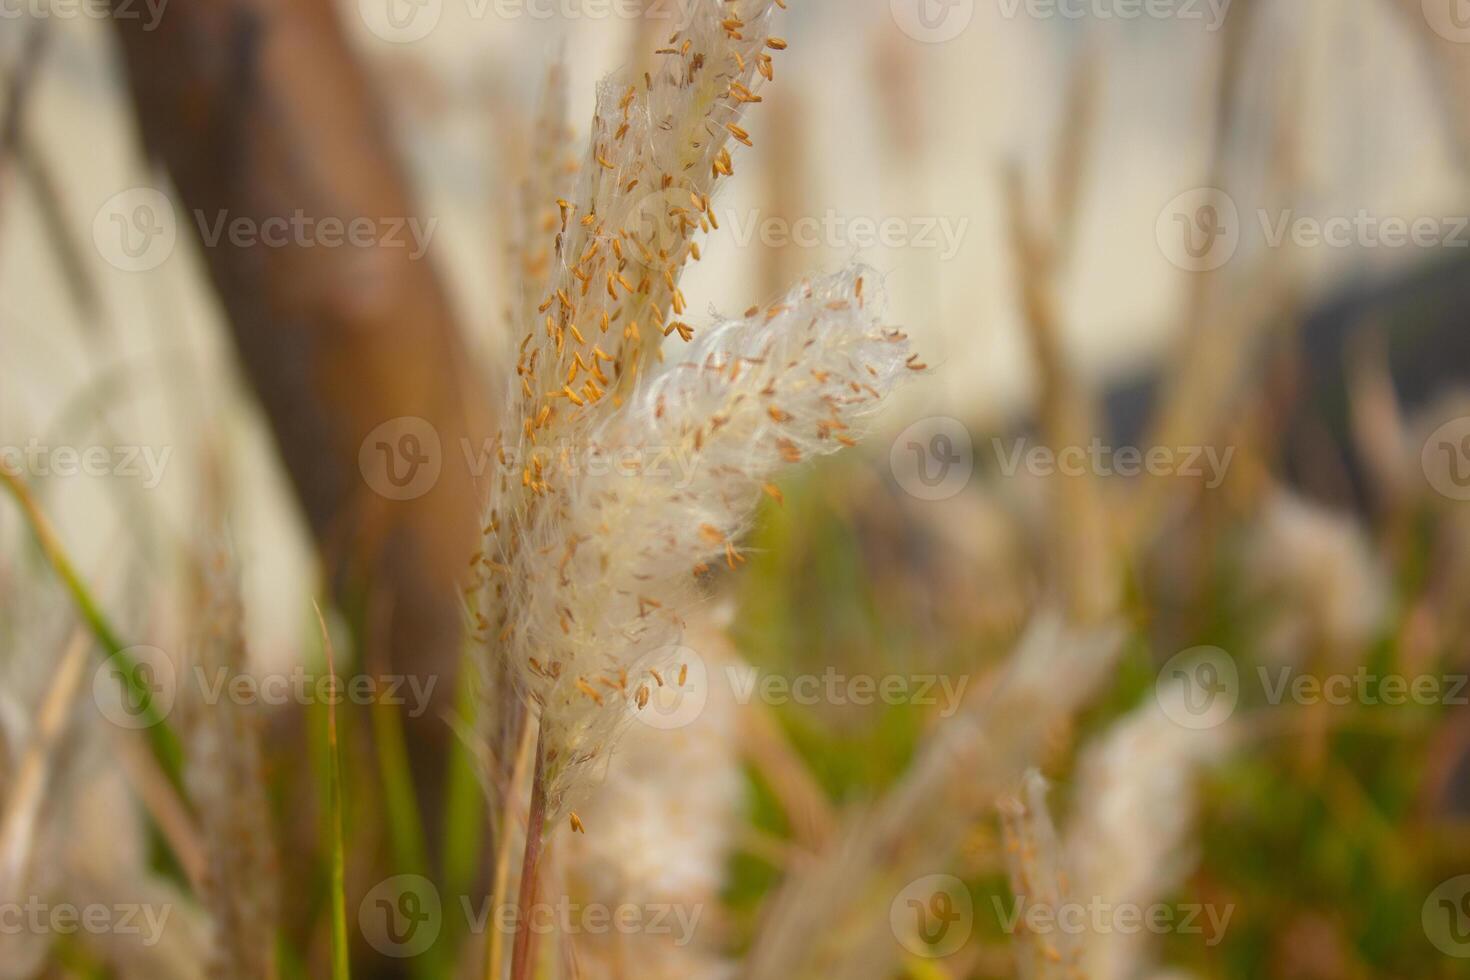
x=1369 y=132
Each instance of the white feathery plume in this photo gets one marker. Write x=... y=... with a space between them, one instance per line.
x=660 y=829
x=1321 y=572
x=1128 y=843
x=550 y=175
x=82 y=831
x=600 y=572
x=1038 y=878
x=829 y=919
x=551 y=170
x=35 y=736
x=1126 y=846
x=656 y=150
x=96 y=852
x=594 y=540
x=225 y=775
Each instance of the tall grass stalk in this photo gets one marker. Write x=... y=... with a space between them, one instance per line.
x=28 y=782
x=340 y=963
x=523 y=954
x=162 y=738
x=500 y=890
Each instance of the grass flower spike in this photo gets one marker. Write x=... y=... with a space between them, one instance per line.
x=624 y=475
x=608 y=554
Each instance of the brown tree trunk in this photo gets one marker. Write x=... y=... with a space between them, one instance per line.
x=259 y=111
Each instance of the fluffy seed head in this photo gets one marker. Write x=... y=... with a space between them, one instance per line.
x=622 y=478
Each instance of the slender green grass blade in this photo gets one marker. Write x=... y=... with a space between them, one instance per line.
x=340 y=966
x=162 y=739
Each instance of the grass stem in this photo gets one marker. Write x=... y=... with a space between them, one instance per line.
x=163 y=740
x=495 y=946
x=522 y=958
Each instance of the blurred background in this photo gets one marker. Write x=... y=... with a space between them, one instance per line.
x=1174 y=523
